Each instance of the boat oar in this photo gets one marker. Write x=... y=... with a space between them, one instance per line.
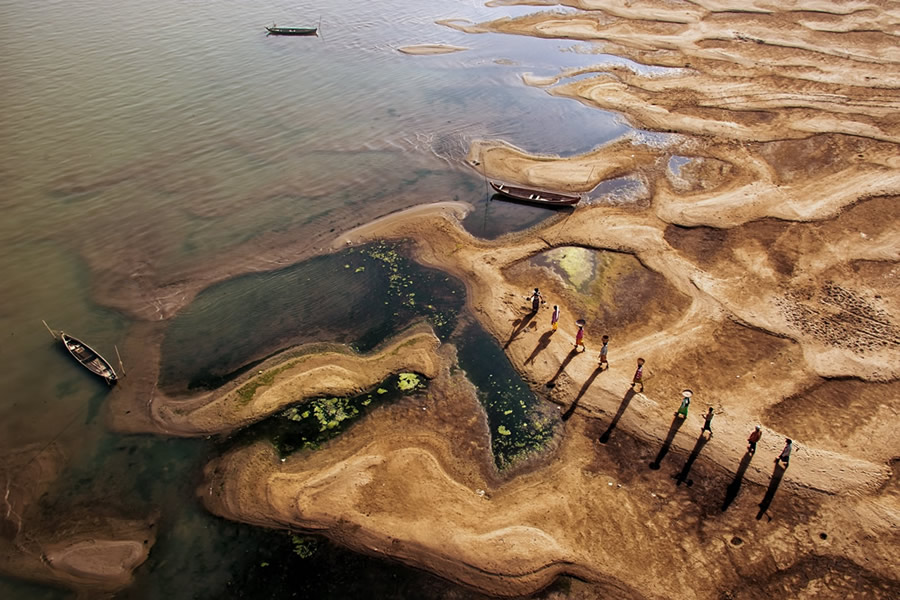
x=53 y=333
x=319 y=29
x=119 y=356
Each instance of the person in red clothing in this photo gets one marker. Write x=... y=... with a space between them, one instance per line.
x=754 y=437
x=638 y=378
x=579 y=336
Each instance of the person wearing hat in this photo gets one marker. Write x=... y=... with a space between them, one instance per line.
x=754 y=437
x=685 y=402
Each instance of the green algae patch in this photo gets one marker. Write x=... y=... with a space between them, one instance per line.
x=407 y=381
x=308 y=425
x=502 y=430
x=577 y=265
x=304 y=546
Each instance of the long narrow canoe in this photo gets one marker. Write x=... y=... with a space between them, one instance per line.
x=292 y=30
x=534 y=196
x=89 y=358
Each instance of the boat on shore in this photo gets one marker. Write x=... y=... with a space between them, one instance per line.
x=535 y=196
x=89 y=358
x=275 y=30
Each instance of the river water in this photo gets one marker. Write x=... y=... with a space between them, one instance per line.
x=168 y=135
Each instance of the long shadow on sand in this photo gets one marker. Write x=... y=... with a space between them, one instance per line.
x=615 y=420
x=571 y=410
x=541 y=346
x=777 y=474
x=735 y=486
x=519 y=325
x=673 y=429
x=562 y=367
x=682 y=477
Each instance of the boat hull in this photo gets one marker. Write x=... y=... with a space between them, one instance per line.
x=534 y=196
x=89 y=358
x=292 y=30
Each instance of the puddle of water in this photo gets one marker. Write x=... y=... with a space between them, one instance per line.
x=521 y=423
x=676 y=162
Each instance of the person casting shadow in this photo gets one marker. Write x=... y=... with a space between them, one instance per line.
x=518 y=327
x=673 y=429
x=571 y=410
x=615 y=420
x=685 y=471
x=541 y=346
x=562 y=367
x=777 y=474
x=735 y=486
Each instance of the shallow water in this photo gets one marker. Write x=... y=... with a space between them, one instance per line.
x=160 y=137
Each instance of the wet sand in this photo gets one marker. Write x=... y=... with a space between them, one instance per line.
x=778 y=230
x=778 y=243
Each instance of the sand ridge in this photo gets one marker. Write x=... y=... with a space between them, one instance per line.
x=774 y=235
x=778 y=228
x=288 y=378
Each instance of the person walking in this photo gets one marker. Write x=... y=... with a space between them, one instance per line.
x=603 y=350
x=536 y=300
x=554 y=318
x=579 y=336
x=707 y=424
x=785 y=455
x=754 y=437
x=685 y=402
x=638 y=378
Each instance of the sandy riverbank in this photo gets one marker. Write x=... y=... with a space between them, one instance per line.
x=757 y=265
x=775 y=240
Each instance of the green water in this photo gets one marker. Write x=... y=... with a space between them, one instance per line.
x=521 y=423
x=312 y=422
x=357 y=296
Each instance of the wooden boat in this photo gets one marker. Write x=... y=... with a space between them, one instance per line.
x=89 y=358
x=533 y=196
x=292 y=30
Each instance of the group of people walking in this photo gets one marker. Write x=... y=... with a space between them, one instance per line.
x=637 y=381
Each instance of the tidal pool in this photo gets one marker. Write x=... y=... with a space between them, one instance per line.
x=359 y=296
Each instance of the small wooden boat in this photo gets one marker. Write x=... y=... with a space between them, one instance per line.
x=533 y=196
x=274 y=30
x=89 y=358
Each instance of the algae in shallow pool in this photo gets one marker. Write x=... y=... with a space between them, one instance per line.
x=308 y=425
x=521 y=423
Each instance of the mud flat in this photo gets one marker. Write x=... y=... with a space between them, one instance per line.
x=91 y=549
x=768 y=223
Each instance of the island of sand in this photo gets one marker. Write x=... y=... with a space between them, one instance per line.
x=760 y=270
x=755 y=263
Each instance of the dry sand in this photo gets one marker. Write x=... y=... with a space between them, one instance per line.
x=765 y=278
x=429 y=49
x=762 y=273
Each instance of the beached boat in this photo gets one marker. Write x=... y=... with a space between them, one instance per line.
x=533 y=196
x=89 y=358
x=292 y=30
